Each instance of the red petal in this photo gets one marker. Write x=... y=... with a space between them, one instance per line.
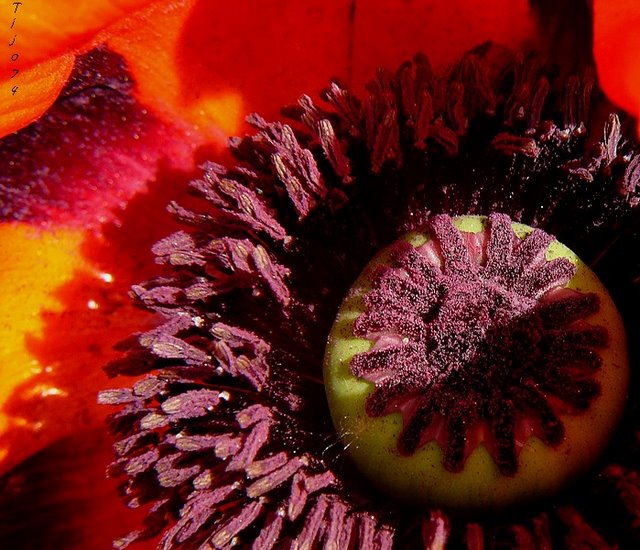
x=387 y=32
x=616 y=46
x=213 y=66
x=60 y=498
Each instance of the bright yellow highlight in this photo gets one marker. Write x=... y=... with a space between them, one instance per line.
x=35 y=263
x=223 y=112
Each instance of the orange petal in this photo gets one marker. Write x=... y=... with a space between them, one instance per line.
x=60 y=317
x=41 y=29
x=27 y=254
x=31 y=92
x=91 y=151
x=41 y=37
x=65 y=305
x=616 y=47
x=211 y=67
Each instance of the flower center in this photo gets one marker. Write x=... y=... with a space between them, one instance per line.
x=472 y=353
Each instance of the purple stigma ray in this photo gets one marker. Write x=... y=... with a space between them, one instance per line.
x=470 y=329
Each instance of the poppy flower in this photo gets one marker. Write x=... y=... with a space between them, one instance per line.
x=229 y=440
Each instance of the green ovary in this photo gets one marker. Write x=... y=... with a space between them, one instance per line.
x=420 y=478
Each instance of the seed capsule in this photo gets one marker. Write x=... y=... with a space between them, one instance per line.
x=477 y=364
